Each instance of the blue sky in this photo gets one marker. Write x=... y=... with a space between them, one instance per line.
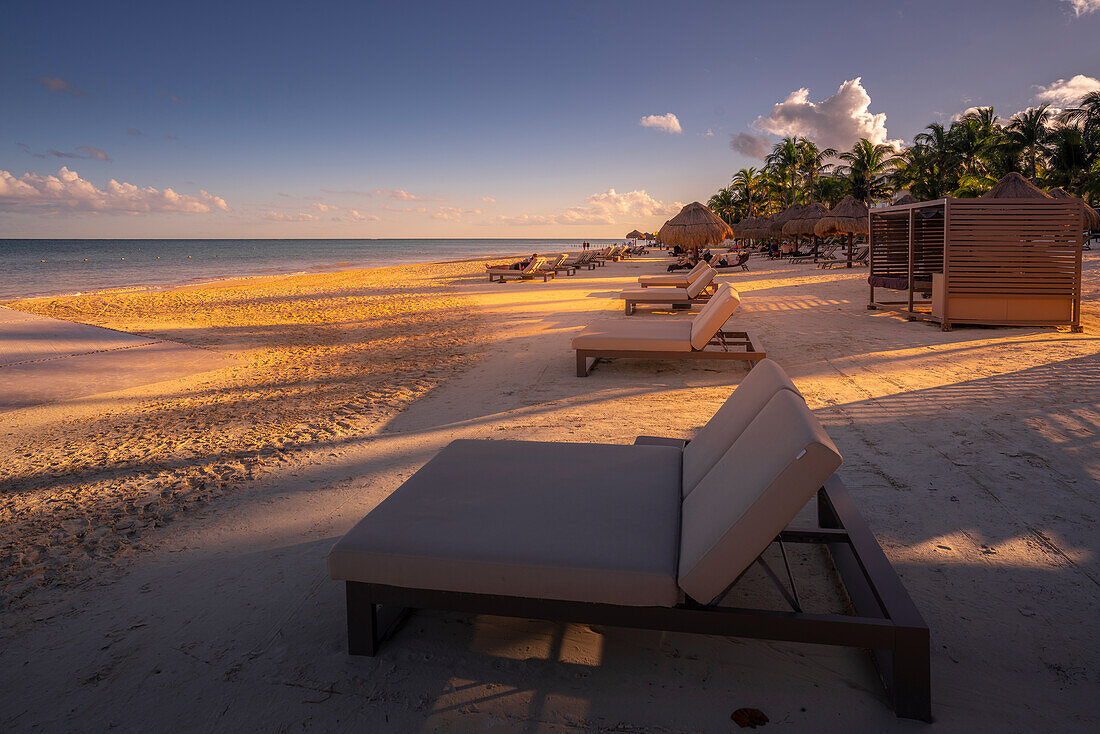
x=475 y=119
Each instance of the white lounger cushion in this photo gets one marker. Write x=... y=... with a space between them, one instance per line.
x=717 y=311
x=781 y=459
x=670 y=295
x=638 y=336
x=578 y=522
x=726 y=426
x=674 y=281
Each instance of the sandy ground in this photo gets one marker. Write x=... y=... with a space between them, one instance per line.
x=972 y=454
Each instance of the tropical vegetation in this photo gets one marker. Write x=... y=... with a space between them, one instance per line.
x=1052 y=148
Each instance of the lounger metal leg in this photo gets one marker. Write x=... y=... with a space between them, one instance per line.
x=362 y=620
x=585 y=363
x=911 y=674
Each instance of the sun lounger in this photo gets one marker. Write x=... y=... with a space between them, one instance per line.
x=673 y=281
x=858 y=258
x=581 y=260
x=499 y=274
x=698 y=291
x=559 y=265
x=825 y=254
x=654 y=535
x=704 y=337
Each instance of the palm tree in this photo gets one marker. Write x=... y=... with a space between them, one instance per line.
x=867 y=167
x=784 y=161
x=724 y=205
x=1086 y=115
x=1027 y=134
x=812 y=161
x=746 y=182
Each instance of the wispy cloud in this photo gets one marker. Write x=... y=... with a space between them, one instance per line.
x=67 y=193
x=347 y=192
x=275 y=216
x=401 y=195
x=134 y=131
x=609 y=207
x=667 y=122
x=1083 y=7
x=170 y=137
x=489 y=200
x=171 y=97
x=85 y=152
x=1068 y=92
x=60 y=86
x=838 y=121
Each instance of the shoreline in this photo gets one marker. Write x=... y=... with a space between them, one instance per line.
x=315 y=270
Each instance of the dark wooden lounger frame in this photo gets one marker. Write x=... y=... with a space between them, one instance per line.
x=885 y=619
x=740 y=345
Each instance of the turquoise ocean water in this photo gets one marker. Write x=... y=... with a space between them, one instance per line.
x=54 y=267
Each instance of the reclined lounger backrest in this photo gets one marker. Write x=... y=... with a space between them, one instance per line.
x=769 y=474
x=701 y=282
x=726 y=426
x=717 y=311
x=697 y=270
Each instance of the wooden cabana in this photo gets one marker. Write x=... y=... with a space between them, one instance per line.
x=996 y=261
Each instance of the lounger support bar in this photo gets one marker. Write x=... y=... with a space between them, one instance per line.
x=885 y=620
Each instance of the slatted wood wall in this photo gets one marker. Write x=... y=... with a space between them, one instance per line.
x=890 y=242
x=1014 y=247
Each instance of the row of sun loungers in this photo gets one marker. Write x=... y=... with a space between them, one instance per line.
x=655 y=535
x=541 y=267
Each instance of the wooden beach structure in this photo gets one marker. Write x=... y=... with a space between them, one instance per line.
x=1010 y=258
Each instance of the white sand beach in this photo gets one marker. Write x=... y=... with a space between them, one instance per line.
x=163 y=546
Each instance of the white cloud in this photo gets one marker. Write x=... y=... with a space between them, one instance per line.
x=354 y=216
x=609 y=207
x=67 y=192
x=452 y=213
x=750 y=146
x=838 y=121
x=667 y=122
x=401 y=195
x=295 y=217
x=489 y=200
x=1082 y=7
x=1068 y=92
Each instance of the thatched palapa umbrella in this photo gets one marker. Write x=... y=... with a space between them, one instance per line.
x=1015 y=186
x=1092 y=217
x=904 y=199
x=848 y=217
x=694 y=227
x=635 y=235
x=802 y=224
x=776 y=228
